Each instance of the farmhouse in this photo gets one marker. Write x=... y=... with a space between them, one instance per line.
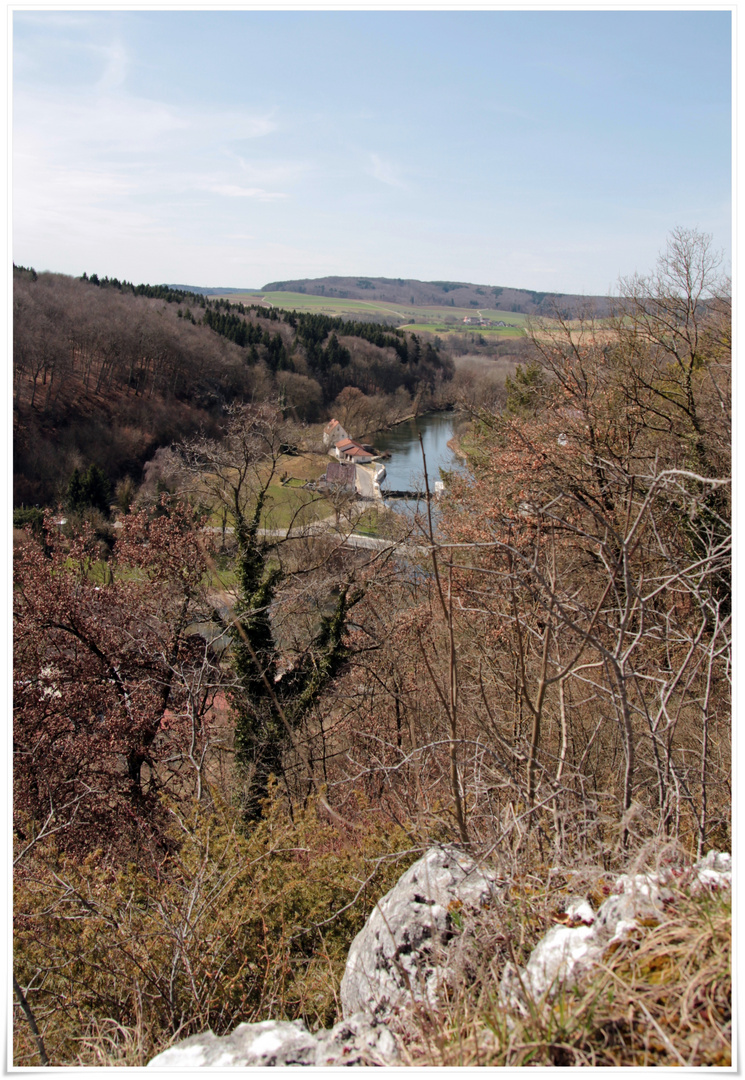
x=333 y=433
x=348 y=450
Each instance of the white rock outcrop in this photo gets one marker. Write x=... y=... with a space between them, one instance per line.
x=399 y=956
x=407 y=949
x=355 y=1041
x=714 y=871
x=567 y=952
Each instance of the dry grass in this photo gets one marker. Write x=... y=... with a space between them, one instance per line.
x=305 y=466
x=116 y=964
x=492 y=367
x=663 y=998
x=109 y=1044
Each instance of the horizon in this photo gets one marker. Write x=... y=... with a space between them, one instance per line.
x=539 y=150
x=369 y=277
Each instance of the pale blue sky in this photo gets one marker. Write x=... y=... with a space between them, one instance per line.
x=547 y=150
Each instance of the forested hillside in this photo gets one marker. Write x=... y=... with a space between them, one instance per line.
x=232 y=733
x=105 y=372
x=439 y=293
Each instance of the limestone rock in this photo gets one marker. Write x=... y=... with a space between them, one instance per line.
x=560 y=957
x=399 y=955
x=566 y=953
x=270 y=1042
x=407 y=949
x=355 y=1041
x=714 y=871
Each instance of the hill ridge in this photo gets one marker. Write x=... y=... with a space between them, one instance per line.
x=437 y=293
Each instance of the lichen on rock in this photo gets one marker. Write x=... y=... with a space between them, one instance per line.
x=400 y=955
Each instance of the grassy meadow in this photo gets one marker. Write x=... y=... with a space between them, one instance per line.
x=419 y=319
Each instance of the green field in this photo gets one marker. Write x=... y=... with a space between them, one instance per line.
x=495 y=332
x=288 y=507
x=434 y=320
x=288 y=501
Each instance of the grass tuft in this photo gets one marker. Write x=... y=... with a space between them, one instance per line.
x=663 y=998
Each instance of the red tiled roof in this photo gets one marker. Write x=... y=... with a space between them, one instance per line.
x=353 y=449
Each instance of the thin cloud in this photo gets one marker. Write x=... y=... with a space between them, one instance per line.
x=124 y=122
x=272 y=172
x=386 y=172
x=116 y=67
x=234 y=191
x=115 y=144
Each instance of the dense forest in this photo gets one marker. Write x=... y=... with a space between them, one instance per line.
x=105 y=372
x=227 y=746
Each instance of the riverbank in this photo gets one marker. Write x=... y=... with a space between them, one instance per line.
x=454 y=444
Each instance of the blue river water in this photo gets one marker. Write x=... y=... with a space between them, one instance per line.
x=404 y=469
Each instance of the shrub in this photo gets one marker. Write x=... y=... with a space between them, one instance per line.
x=232 y=928
x=29 y=515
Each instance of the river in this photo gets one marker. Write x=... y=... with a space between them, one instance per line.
x=404 y=469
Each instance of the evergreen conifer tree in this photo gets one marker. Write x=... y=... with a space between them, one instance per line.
x=74 y=500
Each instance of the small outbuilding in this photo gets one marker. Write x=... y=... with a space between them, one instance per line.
x=341 y=476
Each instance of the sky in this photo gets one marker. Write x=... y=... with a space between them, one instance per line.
x=550 y=150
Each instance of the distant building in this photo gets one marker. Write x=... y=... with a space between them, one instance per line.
x=349 y=450
x=344 y=476
x=333 y=433
x=341 y=476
